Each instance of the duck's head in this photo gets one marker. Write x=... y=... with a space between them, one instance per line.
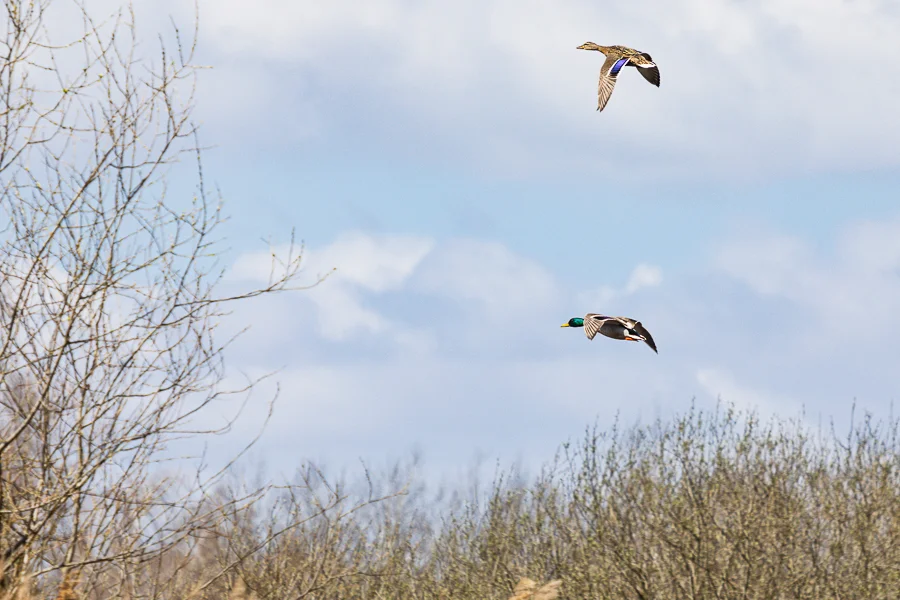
x=590 y=46
x=574 y=322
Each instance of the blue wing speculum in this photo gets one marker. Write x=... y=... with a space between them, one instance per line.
x=618 y=66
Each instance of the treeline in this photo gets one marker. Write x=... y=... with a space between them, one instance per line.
x=706 y=505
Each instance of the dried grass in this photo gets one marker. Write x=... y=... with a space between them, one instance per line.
x=527 y=589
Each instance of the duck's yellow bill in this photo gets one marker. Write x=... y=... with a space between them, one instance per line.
x=564 y=325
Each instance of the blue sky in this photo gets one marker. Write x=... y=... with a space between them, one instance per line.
x=448 y=160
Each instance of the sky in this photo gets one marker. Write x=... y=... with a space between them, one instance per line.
x=448 y=160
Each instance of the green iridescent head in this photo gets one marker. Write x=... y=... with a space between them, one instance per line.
x=574 y=322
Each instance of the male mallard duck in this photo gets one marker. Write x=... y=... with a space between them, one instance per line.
x=618 y=57
x=617 y=328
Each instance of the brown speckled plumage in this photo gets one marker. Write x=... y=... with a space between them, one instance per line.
x=609 y=72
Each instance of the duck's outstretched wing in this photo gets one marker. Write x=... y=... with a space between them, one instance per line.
x=608 y=74
x=639 y=329
x=649 y=71
x=642 y=331
x=593 y=323
x=651 y=74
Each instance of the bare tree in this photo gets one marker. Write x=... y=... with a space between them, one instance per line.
x=108 y=308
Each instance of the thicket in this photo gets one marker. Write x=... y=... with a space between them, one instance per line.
x=707 y=505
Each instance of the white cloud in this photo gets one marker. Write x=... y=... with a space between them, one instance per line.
x=747 y=87
x=501 y=359
x=488 y=282
x=721 y=385
x=771 y=265
x=872 y=247
x=378 y=264
x=641 y=277
x=487 y=274
x=853 y=293
x=363 y=264
x=456 y=345
x=751 y=88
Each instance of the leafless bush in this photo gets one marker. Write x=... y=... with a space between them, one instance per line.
x=710 y=505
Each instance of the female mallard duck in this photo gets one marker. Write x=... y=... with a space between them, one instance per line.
x=618 y=57
x=617 y=328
